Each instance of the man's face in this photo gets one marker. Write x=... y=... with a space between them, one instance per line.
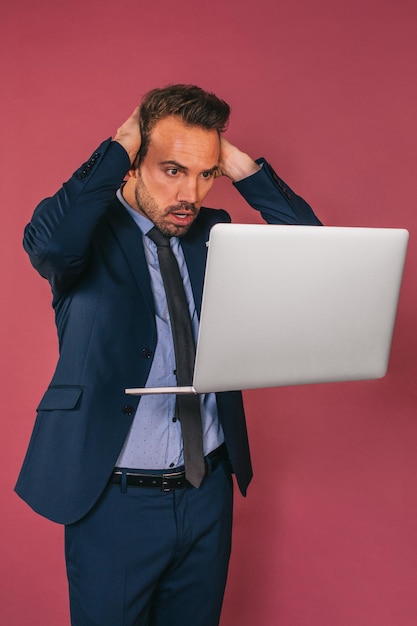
x=175 y=175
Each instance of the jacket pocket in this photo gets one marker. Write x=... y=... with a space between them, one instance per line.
x=60 y=398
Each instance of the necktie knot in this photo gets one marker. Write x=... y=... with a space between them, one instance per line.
x=158 y=238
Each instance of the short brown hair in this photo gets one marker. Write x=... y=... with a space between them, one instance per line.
x=192 y=104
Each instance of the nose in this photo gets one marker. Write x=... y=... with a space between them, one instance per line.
x=188 y=191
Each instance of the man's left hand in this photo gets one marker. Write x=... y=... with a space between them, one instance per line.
x=234 y=163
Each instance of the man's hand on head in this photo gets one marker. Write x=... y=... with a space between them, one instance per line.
x=128 y=135
x=234 y=163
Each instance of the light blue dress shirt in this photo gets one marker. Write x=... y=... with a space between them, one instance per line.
x=154 y=440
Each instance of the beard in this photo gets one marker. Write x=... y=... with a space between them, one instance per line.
x=146 y=204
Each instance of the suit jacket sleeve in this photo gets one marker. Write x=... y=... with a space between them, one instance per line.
x=266 y=192
x=58 y=237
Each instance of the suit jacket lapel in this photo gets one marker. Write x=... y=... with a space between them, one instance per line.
x=130 y=239
x=195 y=253
x=128 y=235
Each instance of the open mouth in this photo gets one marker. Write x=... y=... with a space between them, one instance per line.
x=182 y=218
x=183 y=214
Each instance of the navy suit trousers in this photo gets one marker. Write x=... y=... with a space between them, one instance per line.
x=142 y=557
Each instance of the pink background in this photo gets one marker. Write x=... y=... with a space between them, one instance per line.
x=327 y=91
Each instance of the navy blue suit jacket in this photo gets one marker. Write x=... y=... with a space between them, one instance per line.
x=90 y=250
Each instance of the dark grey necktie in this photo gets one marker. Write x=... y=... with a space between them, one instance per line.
x=188 y=405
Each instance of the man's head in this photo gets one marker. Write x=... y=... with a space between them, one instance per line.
x=191 y=104
x=179 y=155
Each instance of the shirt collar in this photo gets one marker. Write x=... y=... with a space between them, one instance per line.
x=144 y=223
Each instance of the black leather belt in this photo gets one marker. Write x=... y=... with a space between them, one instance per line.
x=166 y=480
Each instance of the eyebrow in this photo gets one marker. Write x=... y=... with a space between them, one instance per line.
x=183 y=168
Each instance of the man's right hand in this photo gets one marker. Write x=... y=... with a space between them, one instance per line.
x=128 y=135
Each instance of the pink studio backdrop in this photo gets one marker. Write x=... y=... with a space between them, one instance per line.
x=326 y=91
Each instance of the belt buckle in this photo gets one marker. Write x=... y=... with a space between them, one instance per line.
x=165 y=487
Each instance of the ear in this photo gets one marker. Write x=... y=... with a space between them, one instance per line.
x=133 y=172
x=129 y=186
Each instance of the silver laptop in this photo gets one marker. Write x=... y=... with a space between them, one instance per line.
x=292 y=305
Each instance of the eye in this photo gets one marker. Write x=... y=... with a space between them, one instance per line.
x=172 y=171
x=207 y=174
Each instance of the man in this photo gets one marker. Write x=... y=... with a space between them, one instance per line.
x=147 y=538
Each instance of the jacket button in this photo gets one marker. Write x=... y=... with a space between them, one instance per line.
x=146 y=353
x=128 y=409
